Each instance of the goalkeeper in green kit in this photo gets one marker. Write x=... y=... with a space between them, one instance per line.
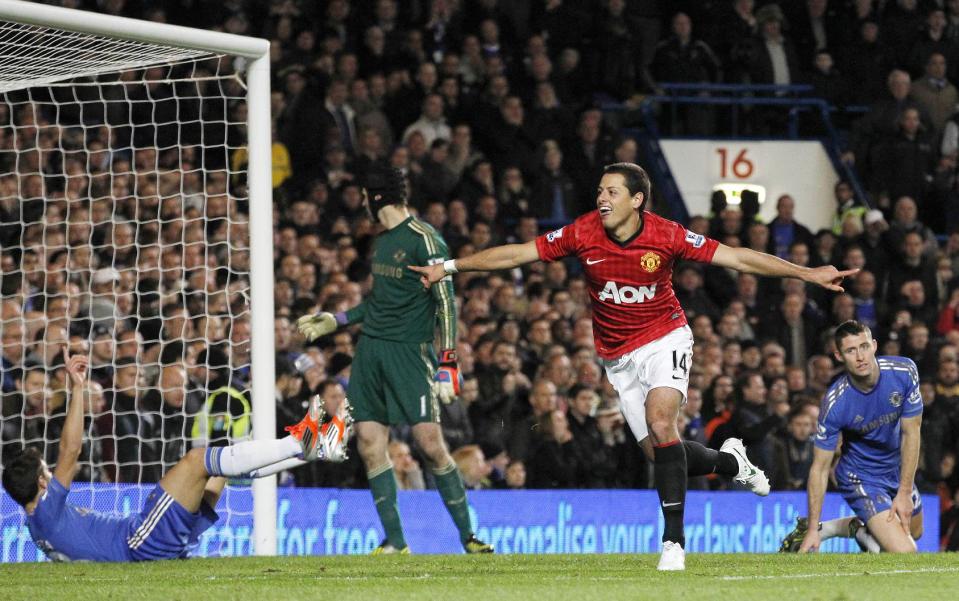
x=395 y=376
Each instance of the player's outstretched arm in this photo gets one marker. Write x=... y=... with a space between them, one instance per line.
x=902 y=504
x=750 y=261
x=816 y=491
x=491 y=259
x=71 y=440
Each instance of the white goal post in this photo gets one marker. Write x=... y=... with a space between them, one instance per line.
x=87 y=59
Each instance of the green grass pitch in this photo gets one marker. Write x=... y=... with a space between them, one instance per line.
x=495 y=578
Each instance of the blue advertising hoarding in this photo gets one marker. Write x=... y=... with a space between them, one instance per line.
x=336 y=521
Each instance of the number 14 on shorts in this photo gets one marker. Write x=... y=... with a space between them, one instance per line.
x=680 y=364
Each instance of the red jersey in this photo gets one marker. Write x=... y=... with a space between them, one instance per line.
x=630 y=283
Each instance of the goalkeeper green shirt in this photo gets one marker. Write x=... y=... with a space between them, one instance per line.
x=399 y=308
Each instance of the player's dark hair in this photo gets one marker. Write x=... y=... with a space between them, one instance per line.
x=635 y=178
x=850 y=327
x=21 y=474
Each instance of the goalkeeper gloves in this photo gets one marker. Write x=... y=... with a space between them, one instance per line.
x=321 y=324
x=447 y=380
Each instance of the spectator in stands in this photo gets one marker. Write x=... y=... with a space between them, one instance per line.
x=882 y=121
x=598 y=469
x=588 y=152
x=515 y=475
x=695 y=425
x=870 y=310
x=554 y=461
x=472 y=467
x=773 y=60
x=431 y=123
x=933 y=40
x=543 y=399
x=874 y=243
x=554 y=196
x=734 y=34
x=684 y=59
x=935 y=94
x=12 y=340
x=455 y=421
x=755 y=422
x=435 y=181
x=901 y=28
x=912 y=265
x=865 y=64
x=409 y=476
x=514 y=199
x=548 y=118
x=498 y=390
x=918 y=347
x=340 y=125
x=794 y=450
x=26 y=399
x=788 y=327
x=847 y=206
x=619 y=63
x=948 y=321
x=817 y=28
x=509 y=140
x=952 y=20
x=905 y=220
x=784 y=229
x=910 y=155
x=690 y=292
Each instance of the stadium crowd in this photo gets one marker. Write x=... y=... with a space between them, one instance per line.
x=489 y=108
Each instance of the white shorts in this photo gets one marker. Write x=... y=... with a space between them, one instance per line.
x=662 y=363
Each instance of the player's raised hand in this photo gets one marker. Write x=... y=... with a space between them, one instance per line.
x=812 y=540
x=429 y=274
x=829 y=277
x=77 y=368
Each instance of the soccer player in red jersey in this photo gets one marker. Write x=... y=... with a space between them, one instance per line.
x=639 y=327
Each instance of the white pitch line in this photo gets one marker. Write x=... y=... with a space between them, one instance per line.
x=842 y=574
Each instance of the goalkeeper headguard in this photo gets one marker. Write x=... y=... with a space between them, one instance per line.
x=384 y=186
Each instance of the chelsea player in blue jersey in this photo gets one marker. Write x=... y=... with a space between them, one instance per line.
x=876 y=410
x=176 y=512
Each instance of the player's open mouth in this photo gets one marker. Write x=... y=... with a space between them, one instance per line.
x=604 y=211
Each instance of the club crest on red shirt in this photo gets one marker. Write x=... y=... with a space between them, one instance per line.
x=650 y=261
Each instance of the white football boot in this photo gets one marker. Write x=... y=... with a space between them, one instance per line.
x=673 y=558
x=749 y=475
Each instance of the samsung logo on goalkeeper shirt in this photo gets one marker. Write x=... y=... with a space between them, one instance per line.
x=389 y=271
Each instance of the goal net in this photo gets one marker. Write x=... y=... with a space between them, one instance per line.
x=125 y=235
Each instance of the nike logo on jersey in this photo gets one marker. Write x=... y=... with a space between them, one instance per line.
x=672 y=504
x=592 y=262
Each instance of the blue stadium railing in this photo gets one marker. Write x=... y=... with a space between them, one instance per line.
x=734 y=96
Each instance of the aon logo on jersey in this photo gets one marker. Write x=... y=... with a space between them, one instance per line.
x=627 y=294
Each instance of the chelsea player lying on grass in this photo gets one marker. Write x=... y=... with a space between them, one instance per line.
x=876 y=408
x=177 y=511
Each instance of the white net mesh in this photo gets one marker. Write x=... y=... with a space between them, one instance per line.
x=32 y=56
x=123 y=235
